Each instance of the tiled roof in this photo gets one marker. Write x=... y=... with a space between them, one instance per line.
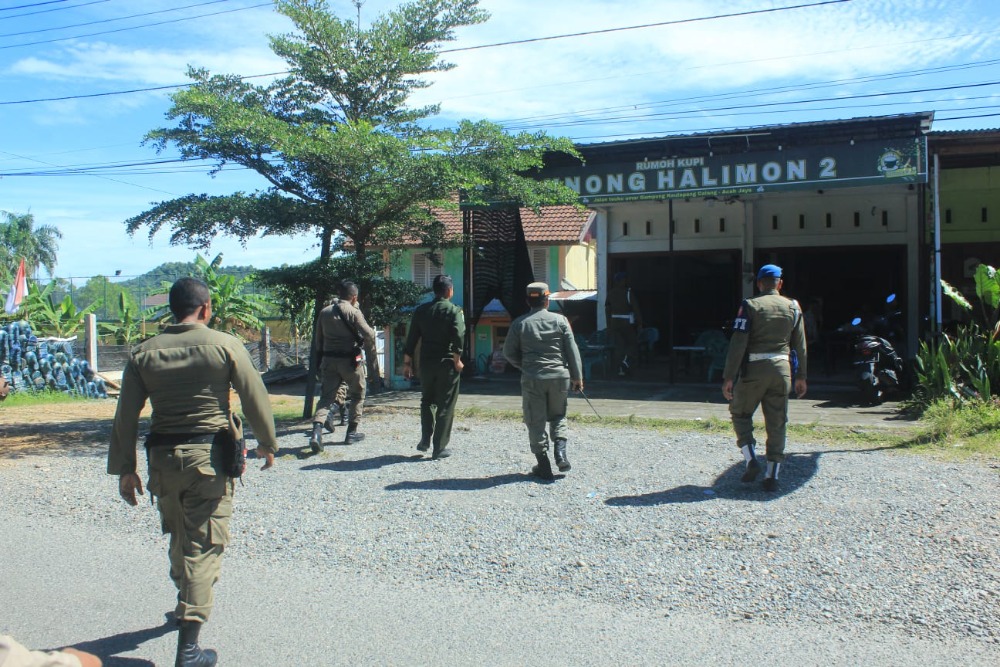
x=557 y=225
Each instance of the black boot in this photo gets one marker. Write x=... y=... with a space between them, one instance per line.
x=544 y=468
x=189 y=654
x=316 y=439
x=343 y=414
x=352 y=435
x=560 y=450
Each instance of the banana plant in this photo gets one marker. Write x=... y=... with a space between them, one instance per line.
x=131 y=328
x=52 y=318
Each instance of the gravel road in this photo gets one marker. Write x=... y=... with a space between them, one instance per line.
x=649 y=552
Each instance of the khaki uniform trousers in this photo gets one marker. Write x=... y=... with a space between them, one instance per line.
x=766 y=383
x=544 y=401
x=195 y=506
x=625 y=341
x=335 y=371
x=439 y=385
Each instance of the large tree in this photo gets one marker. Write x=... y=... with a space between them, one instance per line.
x=343 y=152
x=20 y=237
x=337 y=142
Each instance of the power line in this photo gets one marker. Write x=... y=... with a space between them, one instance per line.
x=34 y=4
x=646 y=25
x=482 y=46
x=54 y=9
x=145 y=25
x=111 y=20
x=128 y=92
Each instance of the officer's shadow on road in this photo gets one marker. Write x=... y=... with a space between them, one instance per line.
x=467 y=483
x=796 y=471
x=106 y=648
x=364 y=464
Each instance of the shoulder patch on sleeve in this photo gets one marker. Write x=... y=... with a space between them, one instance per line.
x=742 y=320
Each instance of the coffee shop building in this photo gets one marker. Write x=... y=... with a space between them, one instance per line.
x=853 y=210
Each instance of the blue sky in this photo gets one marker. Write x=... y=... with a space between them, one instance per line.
x=700 y=71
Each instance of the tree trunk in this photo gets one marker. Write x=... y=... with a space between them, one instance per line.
x=312 y=373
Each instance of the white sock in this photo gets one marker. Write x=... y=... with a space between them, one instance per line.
x=748 y=453
x=772 y=469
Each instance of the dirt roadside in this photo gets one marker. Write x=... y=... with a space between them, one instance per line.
x=85 y=425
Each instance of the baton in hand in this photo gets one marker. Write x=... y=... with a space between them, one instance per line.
x=590 y=404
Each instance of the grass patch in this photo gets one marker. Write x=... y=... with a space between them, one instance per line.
x=970 y=430
x=832 y=435
x=20 y=399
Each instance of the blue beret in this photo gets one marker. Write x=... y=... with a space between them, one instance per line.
x=769 y=271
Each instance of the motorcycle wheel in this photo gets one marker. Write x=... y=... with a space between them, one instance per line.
x=871 y=394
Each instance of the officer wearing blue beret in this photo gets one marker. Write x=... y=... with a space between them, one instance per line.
x=759 y=372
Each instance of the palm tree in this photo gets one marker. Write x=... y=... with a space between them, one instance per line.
x=19 y=237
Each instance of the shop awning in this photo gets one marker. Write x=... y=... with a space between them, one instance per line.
x=574 y=295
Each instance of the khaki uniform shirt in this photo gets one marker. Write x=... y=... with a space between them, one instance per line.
x=541 y=344
x=767 y=324
x=439 y=327
x=621 y=301
x=186 y=372
x=13 y=654
x=334 y=332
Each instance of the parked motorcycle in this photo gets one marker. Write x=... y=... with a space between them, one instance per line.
x=880 y=368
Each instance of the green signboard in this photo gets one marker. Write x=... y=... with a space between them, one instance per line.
x=796 y=168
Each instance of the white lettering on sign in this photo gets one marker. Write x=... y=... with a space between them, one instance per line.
x=706 y=178
x=637 y=182
x=665 y=180
x=654 y=164
x=688 y=180
x=771 y=171
x=616 y=183
x=573 y=183
x=593 y=184
x=796 y=170
x=746 y=173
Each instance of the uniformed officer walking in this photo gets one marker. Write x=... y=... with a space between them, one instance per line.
x=439 y=327
x=341 y=333
x=624 y=321
x=186 y=372
x=541 y=344
x=767 y=329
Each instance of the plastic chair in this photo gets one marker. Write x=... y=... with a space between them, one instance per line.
x=592 y=353
x=647 y=338
x=716 y=346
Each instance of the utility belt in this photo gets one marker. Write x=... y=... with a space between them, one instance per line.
x=764 y=356
x=178 y=439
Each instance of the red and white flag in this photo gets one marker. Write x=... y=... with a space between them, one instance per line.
x=17 y=291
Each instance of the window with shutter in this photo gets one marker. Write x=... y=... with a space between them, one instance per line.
x=540 y=263
x=426 y=267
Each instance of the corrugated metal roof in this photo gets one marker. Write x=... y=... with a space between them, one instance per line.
x=555 y=225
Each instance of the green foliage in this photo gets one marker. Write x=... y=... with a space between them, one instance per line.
x=966 y=429
x=964 y=366
x=233 y=307
x=19 y=237
x=111 y=295
x=382 y=298
x=131 y=325
x=343 y=153
x=51 y=317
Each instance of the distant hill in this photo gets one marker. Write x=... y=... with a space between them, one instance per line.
x=171 y=271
